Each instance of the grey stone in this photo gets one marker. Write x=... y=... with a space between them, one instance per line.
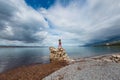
x=97 y=68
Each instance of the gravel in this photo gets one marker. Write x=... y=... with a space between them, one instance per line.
x=87 y=70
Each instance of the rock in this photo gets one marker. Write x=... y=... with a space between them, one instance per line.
x=115 y=58
x=96 y=68
x=111 y=58
x=89 y=70
x=58 y=54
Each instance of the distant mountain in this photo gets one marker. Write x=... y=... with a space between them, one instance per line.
x=113 y=41
x=110 y=43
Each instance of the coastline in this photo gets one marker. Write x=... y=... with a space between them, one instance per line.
x=103 y=67
x=46 y=71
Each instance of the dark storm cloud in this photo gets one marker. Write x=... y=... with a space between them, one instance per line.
x=6 y=12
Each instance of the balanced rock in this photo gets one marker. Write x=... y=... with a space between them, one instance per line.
x=58 y=54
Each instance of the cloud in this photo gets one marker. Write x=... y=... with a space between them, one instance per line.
x=19 y=22
x=76 y=22
x=87 y=21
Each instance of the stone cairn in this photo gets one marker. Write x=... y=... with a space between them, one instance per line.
x=58 y=54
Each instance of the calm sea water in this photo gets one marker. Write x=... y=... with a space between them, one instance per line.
x=14 y=57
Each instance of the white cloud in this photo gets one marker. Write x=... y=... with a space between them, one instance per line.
x=77 y=23
x=92 y=21
x=20 y=22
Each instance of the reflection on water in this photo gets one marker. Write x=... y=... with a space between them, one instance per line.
x=78 y=52
x=15 y=57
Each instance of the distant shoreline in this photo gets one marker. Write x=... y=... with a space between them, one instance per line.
x=23 y=46
x=2 y=46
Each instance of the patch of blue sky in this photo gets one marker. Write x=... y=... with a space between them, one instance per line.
x=40 y=3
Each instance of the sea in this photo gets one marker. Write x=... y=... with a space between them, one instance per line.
x=11 y=58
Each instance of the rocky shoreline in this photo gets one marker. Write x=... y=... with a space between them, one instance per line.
x=104 y=67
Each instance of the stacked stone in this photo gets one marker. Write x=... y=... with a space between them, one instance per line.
x=58 y=54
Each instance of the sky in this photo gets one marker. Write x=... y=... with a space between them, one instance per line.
x=43 y=22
